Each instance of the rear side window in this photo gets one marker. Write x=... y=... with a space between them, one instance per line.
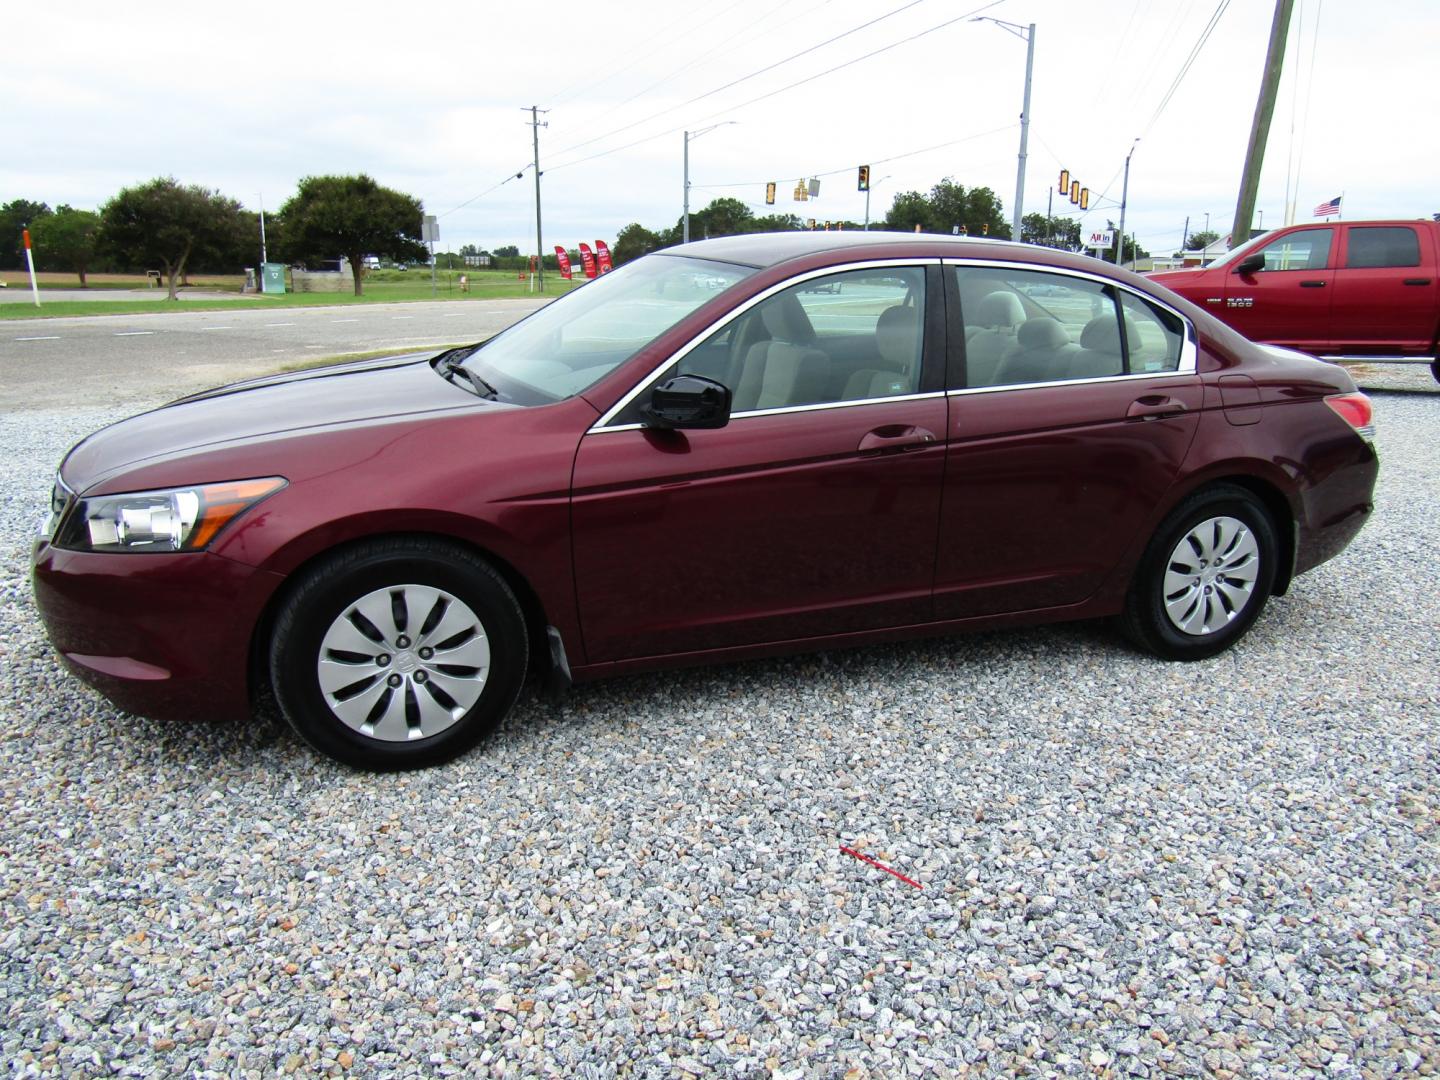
x=1308 y=249
x=1377 y=245
x=1026 y=326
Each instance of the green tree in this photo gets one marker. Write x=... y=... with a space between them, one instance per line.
x=168 y=223
x=777 y=223
x=14 y=217
x=1196 y=241
x=633 y=241
x=352 y=216
x=907 y=210
x=67 y=238
x=1056 y=232
x=509 y=251
x=723 y=217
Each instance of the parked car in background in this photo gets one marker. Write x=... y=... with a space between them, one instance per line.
x=744 y=446
x=1341 y=290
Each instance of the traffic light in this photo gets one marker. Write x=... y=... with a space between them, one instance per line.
x=770 y=193
x=964 y=230
x=1084 y=198
x=1064 y=182
x=864 y=182
x=812 y=223
x=801 y=191
x=985 y=229
x=1074 y=191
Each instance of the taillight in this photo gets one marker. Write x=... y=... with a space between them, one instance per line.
x=1355 y=410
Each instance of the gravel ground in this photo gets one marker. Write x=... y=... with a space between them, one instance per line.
x=1129 y=867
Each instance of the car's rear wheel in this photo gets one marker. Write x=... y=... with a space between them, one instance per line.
x=1205 y=575
x=398 y=654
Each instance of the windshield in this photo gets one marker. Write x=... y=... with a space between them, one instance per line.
x=582 y=337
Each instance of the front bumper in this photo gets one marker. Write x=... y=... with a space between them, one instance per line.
x=165 y=636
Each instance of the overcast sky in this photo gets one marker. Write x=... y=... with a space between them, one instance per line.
x=428 y=99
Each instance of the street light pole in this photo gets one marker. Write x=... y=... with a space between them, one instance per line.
x=685 y=226
x=535 y=126
x=868 y=186
x=1026 y=33
x=263 y=259
x=1124 y=198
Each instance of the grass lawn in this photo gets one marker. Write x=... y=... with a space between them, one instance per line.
x=381 y=287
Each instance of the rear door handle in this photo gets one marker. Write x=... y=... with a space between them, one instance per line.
x=893 y=438
x=1153 y=407
x=1312 y=284
x=1417 y=281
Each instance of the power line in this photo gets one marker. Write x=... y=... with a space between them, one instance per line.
x=784 y=89
x=749 y=32
x=742 y=79
x=516 y=175
x=1189 y=60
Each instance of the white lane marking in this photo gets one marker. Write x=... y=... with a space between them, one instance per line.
x=277 y=350
x=134 y=333
x=397 y=318
x=335 y=321
x=55 y=337
x=217 y=328
x=317 y=346
x=279 y=324
x=456 y=315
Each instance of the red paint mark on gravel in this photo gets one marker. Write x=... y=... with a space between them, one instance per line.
x=880 y=866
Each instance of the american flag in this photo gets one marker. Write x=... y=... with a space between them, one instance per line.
x=1325 y=209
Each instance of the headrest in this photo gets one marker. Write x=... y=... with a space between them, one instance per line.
x=897 y=336
x=1002 y=309
x=786 y=319
x=1042 y=333
x=1102 y=334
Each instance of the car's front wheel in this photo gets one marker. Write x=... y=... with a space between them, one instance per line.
x=398 y=653
x=1205 y=576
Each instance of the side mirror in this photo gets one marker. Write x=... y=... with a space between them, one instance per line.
x=688 y=401
x=1250 y=264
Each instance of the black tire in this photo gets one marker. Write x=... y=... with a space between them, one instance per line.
x=439 y=573
x=1435 y=369
x=1219 y=622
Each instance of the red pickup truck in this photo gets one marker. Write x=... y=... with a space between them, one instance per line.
x=1339 y=290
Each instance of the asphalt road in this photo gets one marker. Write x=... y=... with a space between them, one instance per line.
x=102 y=359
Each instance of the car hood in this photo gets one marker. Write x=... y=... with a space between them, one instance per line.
x=258 y=408
x=1174 y=277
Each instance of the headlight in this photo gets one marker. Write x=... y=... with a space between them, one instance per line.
x=177 y=519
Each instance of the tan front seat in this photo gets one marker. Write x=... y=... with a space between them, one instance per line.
x=897 y=340
x=1099 y=353
x=787 y=369
x=996 y=317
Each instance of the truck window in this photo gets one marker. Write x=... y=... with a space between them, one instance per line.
x=1382 y=245
x=1308 y=249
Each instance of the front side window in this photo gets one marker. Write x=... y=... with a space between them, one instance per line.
x=570 y=344
x=1373 y=246
x=1028 y=326
x=1155 y=336
x=1308 y=249
x=851 y=336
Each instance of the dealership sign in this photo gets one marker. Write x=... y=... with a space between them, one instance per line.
x=1101 y=238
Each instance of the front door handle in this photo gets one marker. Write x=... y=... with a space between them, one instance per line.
x=893 y=438
x=1312 y=284
x=1417 y=281
x=1154 y=407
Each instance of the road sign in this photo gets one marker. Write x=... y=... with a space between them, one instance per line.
x=1101 y=238
x=430 y=229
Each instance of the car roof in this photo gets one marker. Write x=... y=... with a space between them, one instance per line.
x=767 y=249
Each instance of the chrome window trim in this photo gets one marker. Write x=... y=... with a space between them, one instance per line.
x=783 y=410
x=1189 y=348
x=603 y=424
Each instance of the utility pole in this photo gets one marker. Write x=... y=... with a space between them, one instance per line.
x=1124 y=198
x=263 y=260
x=1185 y=236
x=1027 y=33
x=535 y=125
x=1260 y=128
x=685 y=228
x=1024 y=136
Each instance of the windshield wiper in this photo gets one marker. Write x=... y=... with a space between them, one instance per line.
x=476 y=383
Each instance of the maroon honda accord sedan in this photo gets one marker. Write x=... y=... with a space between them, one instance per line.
x=732 y=448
